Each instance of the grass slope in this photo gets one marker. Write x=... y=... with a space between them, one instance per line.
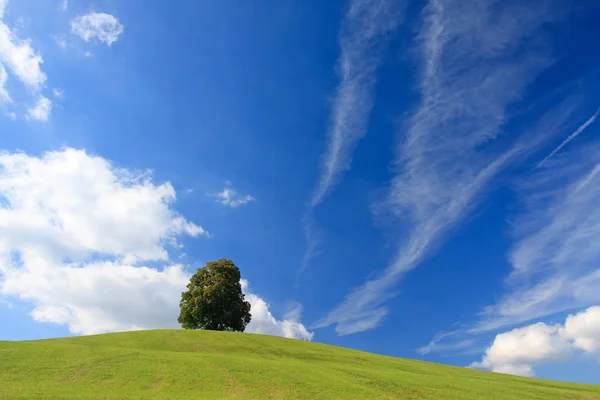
x=175 y=364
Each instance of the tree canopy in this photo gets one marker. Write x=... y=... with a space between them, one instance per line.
x=214 y=299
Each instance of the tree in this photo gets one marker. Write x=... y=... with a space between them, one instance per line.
x=214 y=299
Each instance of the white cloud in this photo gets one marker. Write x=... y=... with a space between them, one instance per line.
x=63 y=5
x=555 y=258
x=314 y=237
x=19 y=56
x=264 y=323
x=476 y=60
x=434 y=344
x=73 y=230
x=76 y=205
x=104 y=27
x=41 y=110
x=584 y=330
x=518 y=351
x=60 y=41
x=4 y=96
x=24 y=62
x=98 y=297
x=364 y=28
x=107 y=297
x=76 y=234
x=231 y=198
x=58 y=93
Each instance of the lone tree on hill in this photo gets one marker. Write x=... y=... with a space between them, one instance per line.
x=214 y=299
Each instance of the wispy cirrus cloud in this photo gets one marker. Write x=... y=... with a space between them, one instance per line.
x=554 y=264
x=555 y=259
x=365 y=25
x=434 y=344
x=477 y=57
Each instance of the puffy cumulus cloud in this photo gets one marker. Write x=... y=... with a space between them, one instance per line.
x=104 y=27
x=231 y=198
x=41 y=110
x=98 y=297
x=74 y=204
x=518 y=351
x=264 y=323
x=20 y=56
x=76 y=234
x=584 y=330
x=74 y=231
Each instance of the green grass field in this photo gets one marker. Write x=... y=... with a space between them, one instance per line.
x=175 y=364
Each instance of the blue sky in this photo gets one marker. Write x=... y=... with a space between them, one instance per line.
x=418 y=179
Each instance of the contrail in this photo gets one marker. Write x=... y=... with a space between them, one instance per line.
x=571 y=137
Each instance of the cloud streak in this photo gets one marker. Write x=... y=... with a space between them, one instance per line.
x=476 y=60
x=365 y=25
x=364 y=28
x=570 y=137
x=555 y=257
x=435 y=346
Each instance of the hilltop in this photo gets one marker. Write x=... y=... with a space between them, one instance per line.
x=177 y=364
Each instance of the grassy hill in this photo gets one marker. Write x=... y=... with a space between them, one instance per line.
x=173 y=364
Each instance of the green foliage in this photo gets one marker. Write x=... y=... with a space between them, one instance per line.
x=214 y=299
x=183 y=365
